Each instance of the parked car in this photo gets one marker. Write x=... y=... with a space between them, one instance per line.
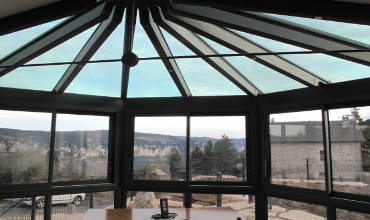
x=75 y=199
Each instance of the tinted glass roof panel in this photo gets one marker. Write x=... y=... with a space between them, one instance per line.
x=46 y=77
x=13 y=41
x=266 y=79
x=102 y=79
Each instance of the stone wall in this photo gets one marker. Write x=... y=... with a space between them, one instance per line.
x=297 y=160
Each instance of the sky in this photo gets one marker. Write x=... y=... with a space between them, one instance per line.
x=42 y=121
x=151 y=79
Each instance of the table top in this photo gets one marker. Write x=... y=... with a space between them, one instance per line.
x=145 y=214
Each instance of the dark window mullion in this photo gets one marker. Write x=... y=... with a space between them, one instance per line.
x=327 y=152
x=52 y=147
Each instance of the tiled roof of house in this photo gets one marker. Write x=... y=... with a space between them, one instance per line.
x=311 y=131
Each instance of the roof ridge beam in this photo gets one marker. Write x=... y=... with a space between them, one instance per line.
x=92 y=45
x=160 y=44
x=241 y=44
x=198 y=46
x=55 y=36
x=275 y=29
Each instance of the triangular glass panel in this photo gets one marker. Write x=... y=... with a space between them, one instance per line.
x=46 y=77
x=149 y=78
x=266 y=79
x=357 y=32
x=13 y=41
x=325 y=66
x=102 y=79
x=177 y=48
x=202 y=79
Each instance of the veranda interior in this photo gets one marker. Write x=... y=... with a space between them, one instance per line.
x=263 y=108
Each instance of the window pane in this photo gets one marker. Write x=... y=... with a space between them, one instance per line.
x=288 y=209
x=24 y=147
x=69 y=206
x=46 y=77
x=242 y=204
x=81 y=147
x=13 y=41
x=201 y=78
x=151 y=199
x=102 y=200
x=218 y=148
x=296 y=147
x=160 y=148
x=21 y=208
x=149 y=78
x=350 y=149
x=102 y=79
x=346 y=214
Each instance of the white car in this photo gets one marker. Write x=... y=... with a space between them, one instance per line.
x=75 y=199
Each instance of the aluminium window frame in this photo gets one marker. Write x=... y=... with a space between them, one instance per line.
x=331 y=199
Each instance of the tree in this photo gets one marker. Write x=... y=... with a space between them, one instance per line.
x=196 y=160
x=225 y=154
x=174 y=159
x=208 y=158
x=356 y=115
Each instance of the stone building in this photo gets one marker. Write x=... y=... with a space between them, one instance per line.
x=297 y=150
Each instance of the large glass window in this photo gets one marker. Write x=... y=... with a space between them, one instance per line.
x=288 y=209
x=160 y=148
x=350 y=149
x=296 y=149
x=81 y=147
x=24 y=147
x=218 y=148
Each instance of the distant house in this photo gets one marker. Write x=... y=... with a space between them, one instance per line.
x=297 y=150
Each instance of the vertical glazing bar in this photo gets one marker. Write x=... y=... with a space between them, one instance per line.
x=47 y=208
x=188 y=159
x=258 y=122
x=327 y=152
x=52 y=146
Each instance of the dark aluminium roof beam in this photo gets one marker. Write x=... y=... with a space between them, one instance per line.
x=92 y=45
x=241 y=44
x=127 y=45
x=198 y=46
x=277 y=29
x=55 y=36
x=163 y=50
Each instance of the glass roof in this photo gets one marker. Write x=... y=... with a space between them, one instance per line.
x=251 y=73
x=46 y=77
